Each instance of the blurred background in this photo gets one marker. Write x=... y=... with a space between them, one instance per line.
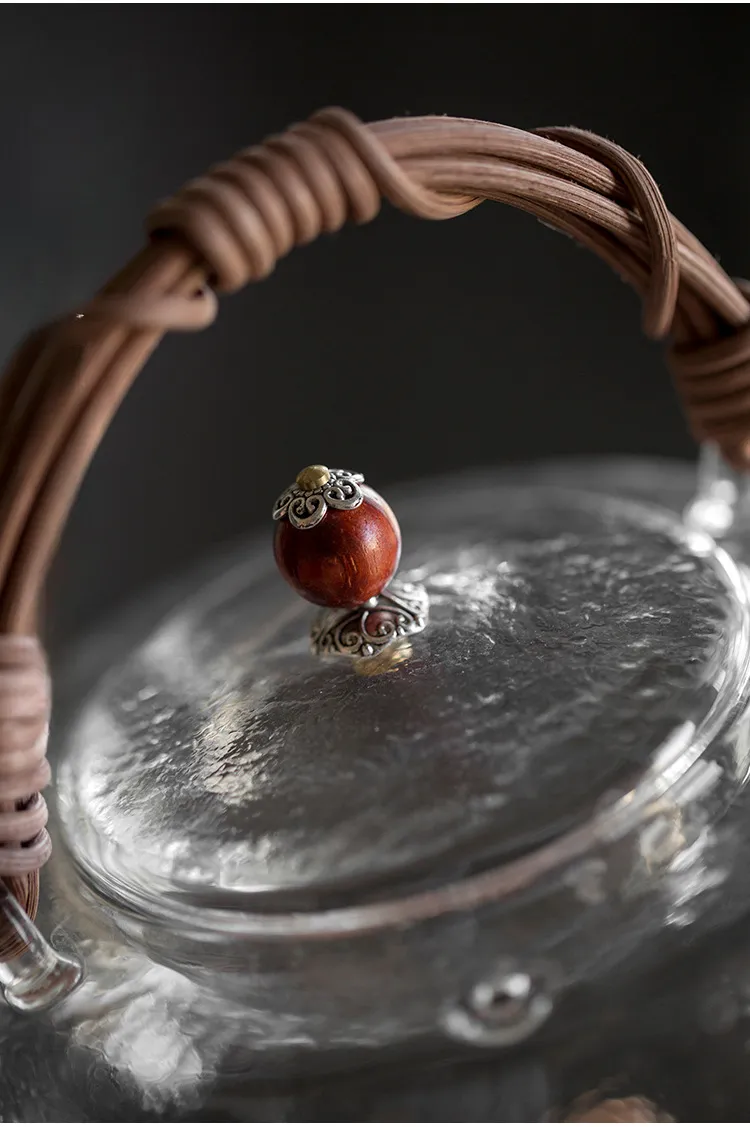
x=402 y=349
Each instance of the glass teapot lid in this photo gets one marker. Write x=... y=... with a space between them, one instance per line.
x=582 y=653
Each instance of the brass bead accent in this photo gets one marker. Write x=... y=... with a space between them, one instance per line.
x=312 y=477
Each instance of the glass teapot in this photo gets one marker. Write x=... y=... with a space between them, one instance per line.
x=491 y=821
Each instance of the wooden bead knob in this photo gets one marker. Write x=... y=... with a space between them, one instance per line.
x=337 y=542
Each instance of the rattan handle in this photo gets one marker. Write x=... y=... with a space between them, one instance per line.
x=228 y=228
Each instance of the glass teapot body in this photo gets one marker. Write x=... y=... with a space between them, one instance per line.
x=276 y=866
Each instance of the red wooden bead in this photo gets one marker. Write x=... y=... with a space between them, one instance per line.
x=346 y=559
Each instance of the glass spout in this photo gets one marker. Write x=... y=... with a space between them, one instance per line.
x=38 y=976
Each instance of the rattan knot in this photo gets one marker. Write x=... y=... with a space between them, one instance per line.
x=249 y=212
x=24 y=770
x=642 y=194
x=713 y=378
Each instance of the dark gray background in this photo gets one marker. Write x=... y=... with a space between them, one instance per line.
x=402 y=349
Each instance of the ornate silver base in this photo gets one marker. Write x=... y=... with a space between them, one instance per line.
x=400 y=610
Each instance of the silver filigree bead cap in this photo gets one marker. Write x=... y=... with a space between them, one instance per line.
x=316 y=489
